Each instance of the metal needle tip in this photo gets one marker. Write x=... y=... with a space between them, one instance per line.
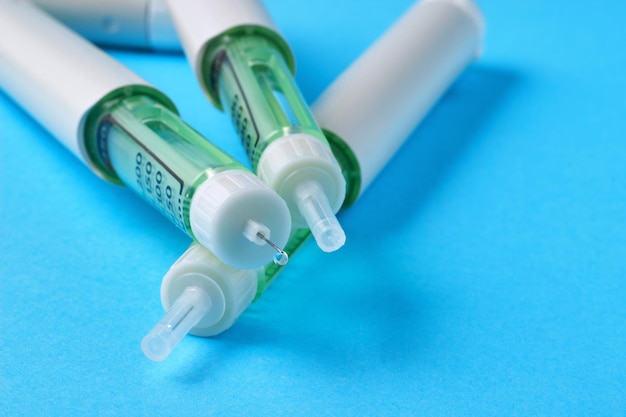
x=281 y=257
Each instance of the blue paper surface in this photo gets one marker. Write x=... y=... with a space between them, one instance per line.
x=484 y=272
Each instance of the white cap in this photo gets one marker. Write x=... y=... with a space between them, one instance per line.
x=300 y=168
x=56 y=75
x=377 y=102
x=200 y=21
x=202 y=296
x=129 y=23
x=232 y=290
x=221 y=209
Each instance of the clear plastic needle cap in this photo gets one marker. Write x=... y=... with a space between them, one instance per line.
x=316 y=210
x=190 y=307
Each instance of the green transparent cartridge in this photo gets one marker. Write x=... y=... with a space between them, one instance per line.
x=129 y=133
x=246 y=69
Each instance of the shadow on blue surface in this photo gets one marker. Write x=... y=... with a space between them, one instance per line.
x=440 y=141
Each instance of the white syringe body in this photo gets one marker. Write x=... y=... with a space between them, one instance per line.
x=139 y=24
x=378 y=101
x=56 y=76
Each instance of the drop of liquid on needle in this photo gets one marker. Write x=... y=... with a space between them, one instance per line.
x=280 y=258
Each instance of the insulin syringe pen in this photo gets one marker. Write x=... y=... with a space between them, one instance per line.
x=426 y=50
x=245 y=67
x=128 y=132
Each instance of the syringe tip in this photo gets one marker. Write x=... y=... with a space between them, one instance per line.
x=320 y=217
x=191 y=306
x=329 y=235
x=155 y=347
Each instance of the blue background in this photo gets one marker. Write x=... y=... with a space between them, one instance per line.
x=484 y=272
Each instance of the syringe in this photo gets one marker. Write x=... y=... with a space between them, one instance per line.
x=128 y=132
x=450 y=30
x=245 y=67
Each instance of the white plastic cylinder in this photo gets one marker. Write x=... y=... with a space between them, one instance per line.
x=376 y=103
x=128 y=23
x=197 y=22
x=220 y=211
x=293 y=159
x=55 y=75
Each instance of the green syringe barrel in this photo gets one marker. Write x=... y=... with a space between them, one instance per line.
x=246 y=69
x=129 y=133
